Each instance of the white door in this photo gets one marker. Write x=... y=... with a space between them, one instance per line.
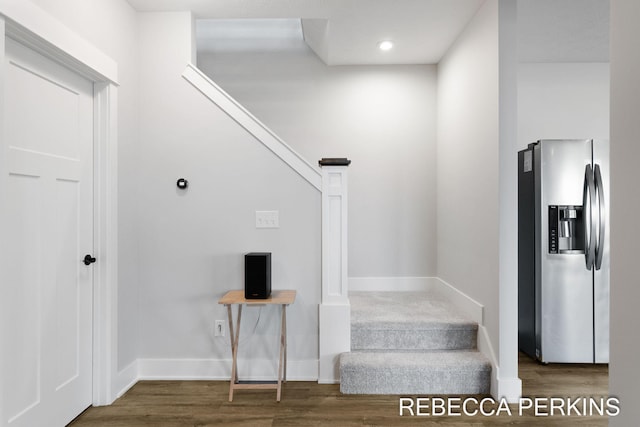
x=46 y=289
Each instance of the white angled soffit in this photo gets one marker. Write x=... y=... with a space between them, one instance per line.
x=252 y=125
x=247 y=35
x=262 y=35
x=315 y=35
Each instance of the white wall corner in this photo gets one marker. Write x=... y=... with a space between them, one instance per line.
x=387 y=284
x=125 y=379
x=194 y=41
x=509 y=387
x=3 y=191
x=315 y=35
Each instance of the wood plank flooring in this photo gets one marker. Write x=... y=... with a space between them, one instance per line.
x=204 y=403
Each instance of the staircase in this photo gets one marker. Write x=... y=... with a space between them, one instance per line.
x=411 y=343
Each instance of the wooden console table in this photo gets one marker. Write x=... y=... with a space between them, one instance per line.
x=282 y=298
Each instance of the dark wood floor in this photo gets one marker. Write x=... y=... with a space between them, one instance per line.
x=204 y=403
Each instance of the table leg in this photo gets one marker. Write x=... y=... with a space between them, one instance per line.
x=234 y=366
x=282 y=356
x=230 y=320
x=284 y=337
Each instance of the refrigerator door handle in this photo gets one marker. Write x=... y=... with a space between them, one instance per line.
x=601 y=217
x=588 y=207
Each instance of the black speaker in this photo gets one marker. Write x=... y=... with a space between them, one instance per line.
x=257 y=275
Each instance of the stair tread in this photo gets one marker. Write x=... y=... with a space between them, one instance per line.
x=404 y=310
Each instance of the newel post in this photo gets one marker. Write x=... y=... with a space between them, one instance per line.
x=335 y=312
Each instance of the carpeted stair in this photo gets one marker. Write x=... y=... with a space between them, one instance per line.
x=411 y=343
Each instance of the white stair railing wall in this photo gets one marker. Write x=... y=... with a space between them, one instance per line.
x=335 y=311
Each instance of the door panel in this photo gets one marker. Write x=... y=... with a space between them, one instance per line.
x=23 y=292
x=52 y=99
x=601 y=276
x=68 y=283
x=564 y=285
x=47 y=290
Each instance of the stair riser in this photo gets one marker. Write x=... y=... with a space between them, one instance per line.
x=401 y=381
x=371 y=339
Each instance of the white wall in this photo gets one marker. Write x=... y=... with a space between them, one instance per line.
x=624 y=375
x=111 y=26
x=192 y=242
x=380 y=117
x=468 y=164
x=507 y=382
x=562 y=100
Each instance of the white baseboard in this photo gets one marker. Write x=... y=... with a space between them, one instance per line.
x=467 y=305
x=307 y=370
x=220 y=369
x=206 y=369
x=126 y=379
x=385 y=284
x=509 y=388
x=485 y=347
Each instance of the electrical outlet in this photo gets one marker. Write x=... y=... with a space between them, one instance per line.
x=219 y=332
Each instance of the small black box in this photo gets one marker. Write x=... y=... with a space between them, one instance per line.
x=257 y=275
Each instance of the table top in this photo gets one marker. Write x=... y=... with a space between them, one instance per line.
x=277 y=297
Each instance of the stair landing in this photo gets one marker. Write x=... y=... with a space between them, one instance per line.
x=408 y=321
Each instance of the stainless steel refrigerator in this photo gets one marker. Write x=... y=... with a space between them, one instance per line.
x=563 y=251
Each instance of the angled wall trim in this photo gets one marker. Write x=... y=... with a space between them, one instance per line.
x=252 y=125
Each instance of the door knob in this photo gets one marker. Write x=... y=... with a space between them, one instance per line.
x=88 y=259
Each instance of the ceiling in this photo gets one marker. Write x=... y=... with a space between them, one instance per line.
x=346 y=32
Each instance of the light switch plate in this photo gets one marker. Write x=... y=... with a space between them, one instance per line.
x=267 y=219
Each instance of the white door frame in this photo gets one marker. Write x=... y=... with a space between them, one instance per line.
x=31 y=26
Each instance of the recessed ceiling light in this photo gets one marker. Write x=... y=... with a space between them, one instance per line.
x=385 y=45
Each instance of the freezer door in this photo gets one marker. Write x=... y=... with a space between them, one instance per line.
x=602 y=271
x=564 y=286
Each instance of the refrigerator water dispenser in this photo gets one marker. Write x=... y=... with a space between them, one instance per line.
x=566 y=235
